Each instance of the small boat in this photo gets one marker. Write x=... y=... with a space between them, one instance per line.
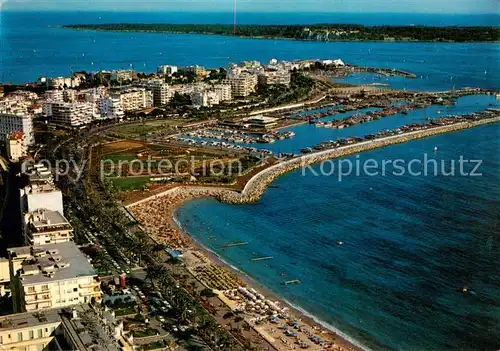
x=340 y=243
x=435 y=148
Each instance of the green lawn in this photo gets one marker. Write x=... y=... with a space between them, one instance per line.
x=130 y=183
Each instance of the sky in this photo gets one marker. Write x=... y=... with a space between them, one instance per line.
x=369 y=6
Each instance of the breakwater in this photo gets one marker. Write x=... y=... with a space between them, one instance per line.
x=257 y=185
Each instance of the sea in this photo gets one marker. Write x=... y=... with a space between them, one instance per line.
x=383 y=259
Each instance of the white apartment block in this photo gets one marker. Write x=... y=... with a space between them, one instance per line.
x=54 y=95
x=275 y=77
x=45 y=227
x=41 y=191
x=29 y=331
x=133 y=99
x=72 y=114
x=242 y=84
x=204 y=98
x=10 y=123
x=111 y=108
x=167 y=70
x=223 y=91
x=51 y=276
x=159 y=89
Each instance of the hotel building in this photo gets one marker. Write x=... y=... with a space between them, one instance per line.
x=44 y=227
x=50 y=276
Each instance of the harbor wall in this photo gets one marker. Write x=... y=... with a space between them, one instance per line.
x=258 y=184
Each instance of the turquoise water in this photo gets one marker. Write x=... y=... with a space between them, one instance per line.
x=409 y=244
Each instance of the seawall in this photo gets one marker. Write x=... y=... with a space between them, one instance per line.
x=257 y=185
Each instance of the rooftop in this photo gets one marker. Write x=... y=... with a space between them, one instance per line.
x=261 y=119
x=29 y=319
x=43 y=220
x=52 y=262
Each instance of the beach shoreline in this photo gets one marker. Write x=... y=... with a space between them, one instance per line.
x=341 y=339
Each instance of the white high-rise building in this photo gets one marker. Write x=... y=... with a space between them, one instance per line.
x=10 y=123
x=223 y=91
x=133 y=99
x=158 y=88
x=204 y=98
x=167 y=69
x=72 y=114
x=242 y=84
x=41 y=191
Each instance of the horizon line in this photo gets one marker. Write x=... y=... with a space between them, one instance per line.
x=243 y=11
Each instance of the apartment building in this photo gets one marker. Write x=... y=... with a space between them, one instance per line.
x=242 y=84
x=158 y=88
x=41 y=191
x=74 y=114
x=29 y=331
x=64 y=82
x=223 y=91
x=16 y=146
x=45 y=227
x=110 y=108
x=81 y=327
x=50 y=276
x=198 y=71
x=167 y=70
x=10 y=123
x=133 y=99
x=4 y=275
x=275 y=77
x=204 y=98
x=123 y=75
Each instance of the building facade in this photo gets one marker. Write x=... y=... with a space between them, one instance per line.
x=10 y=123
x=243 y=84
x=51 y=276
x=44 y=227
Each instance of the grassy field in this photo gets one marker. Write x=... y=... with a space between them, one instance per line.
x=130 y=183
x=144 y=128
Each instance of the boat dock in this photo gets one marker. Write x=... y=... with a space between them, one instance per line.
x=240 y=243
x=289 y=282
x=257 y=259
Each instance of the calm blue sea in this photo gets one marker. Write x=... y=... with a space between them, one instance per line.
x=410 y=242
x=33 y=45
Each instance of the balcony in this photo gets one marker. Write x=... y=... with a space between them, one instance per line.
x=89 y=285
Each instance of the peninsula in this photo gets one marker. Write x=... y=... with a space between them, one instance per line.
x=315 y=32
